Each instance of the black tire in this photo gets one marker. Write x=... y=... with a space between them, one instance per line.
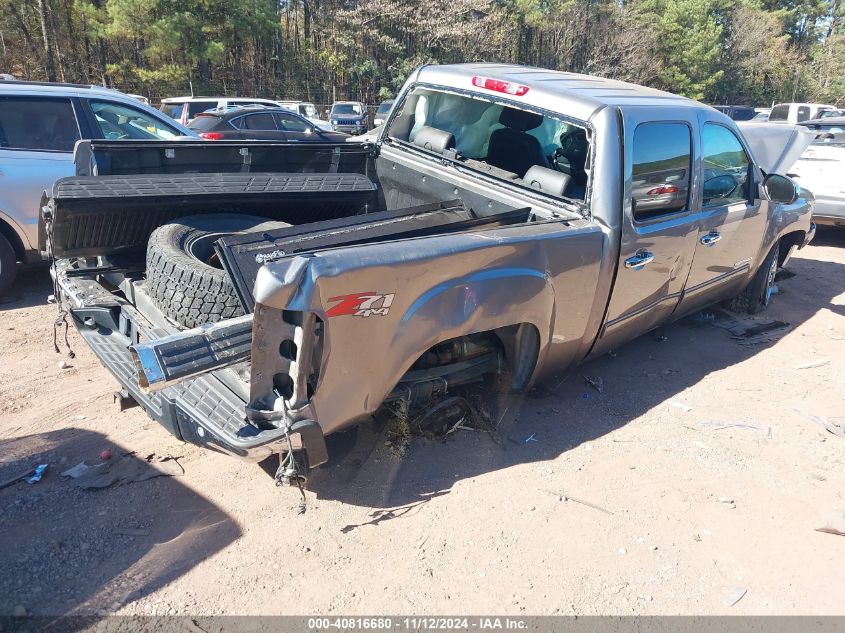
x=8 y=265
x=181 y=278
x=758 y=294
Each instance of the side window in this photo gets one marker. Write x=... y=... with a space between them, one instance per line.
x=725 y=166
x=803 y=113
x=292 y=123
x=37 y=124
x=260 y=121
x=117 y=121
x=661 y=169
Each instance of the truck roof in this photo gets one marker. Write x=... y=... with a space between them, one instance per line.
x=579 y=95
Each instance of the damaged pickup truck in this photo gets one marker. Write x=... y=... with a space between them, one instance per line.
x=255 y=297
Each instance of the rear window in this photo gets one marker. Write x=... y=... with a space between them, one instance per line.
x=531 y=149
x=743 y=114
x=779 y=113
x=661 y=166
x=195 y=107
x=37 y=124
x=173 y=110
x=204 y=122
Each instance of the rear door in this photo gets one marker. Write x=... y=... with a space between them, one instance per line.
x=732 y=220
x=37 y=135
x=658 y=227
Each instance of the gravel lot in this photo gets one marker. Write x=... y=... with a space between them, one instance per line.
x=698 y=474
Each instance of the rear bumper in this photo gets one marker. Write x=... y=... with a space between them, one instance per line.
x=204 y=410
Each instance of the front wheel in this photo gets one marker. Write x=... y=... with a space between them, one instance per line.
x=758 y=294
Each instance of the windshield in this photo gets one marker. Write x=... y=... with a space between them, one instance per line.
x=117 y=121
x=384 y=108
x=536 y=150
x=347 y=108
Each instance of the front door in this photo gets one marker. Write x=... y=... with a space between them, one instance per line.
x=658 y=228
x=732 y=219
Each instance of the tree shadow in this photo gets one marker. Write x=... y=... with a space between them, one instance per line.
x=72 y=551
x=562 y=412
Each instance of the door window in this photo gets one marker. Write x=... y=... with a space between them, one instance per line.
x=37 y=124
x=725 y=166
x=262 y=121
x=779 y=112
x=292 y=123
x=661 y=169
x=117 y=121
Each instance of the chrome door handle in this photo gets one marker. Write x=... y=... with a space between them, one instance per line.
x=711 y=238
x=639 y=260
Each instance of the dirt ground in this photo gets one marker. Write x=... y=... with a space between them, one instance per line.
x=699 y=474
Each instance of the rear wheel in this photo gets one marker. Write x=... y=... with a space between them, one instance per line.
x=184 y=277
x=758 y=294
x=8 y=265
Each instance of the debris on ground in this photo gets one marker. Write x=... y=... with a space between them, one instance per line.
x=531 y=438
x=564 y=497
x=31 y=476
x=831 y=425
x=735 y=596
x=105 y=455
x=813 y=364
x=679 y=405
x=36 y=476
x=834 y=525
x=749 y=330
x=123 y=471
x=63 y=364
x=132 y=531
x=596 y=383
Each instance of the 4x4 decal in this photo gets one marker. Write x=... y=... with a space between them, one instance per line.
x=363 y=304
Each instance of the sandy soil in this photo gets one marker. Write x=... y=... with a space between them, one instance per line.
x=625 y=503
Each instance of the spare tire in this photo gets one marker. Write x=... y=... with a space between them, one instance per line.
x=184 y=277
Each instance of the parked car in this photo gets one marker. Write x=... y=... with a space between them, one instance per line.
x=307 y=110
x=185 y=109
x=349 y=116
x=794 y=113
x=494 y=230
x=737 y=112
x=832 y=114
x=260 y=123
x=39 y=125
x=821 y=169
x=382 y=112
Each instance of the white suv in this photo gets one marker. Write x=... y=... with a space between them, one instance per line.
x=185 y=109
x=40 y=124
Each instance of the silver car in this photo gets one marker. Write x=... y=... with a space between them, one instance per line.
x=39 y=125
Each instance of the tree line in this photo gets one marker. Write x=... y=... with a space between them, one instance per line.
x=719 y=51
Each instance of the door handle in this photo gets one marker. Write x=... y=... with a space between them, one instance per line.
x=640 y=259
x=711 y=238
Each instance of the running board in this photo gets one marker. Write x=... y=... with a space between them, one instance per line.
x=174 y=358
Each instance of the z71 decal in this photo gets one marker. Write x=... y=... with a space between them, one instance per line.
x=362 y=304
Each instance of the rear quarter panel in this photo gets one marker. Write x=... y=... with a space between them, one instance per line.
x=543 y=274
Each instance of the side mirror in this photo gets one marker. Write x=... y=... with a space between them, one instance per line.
x=780 y=189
